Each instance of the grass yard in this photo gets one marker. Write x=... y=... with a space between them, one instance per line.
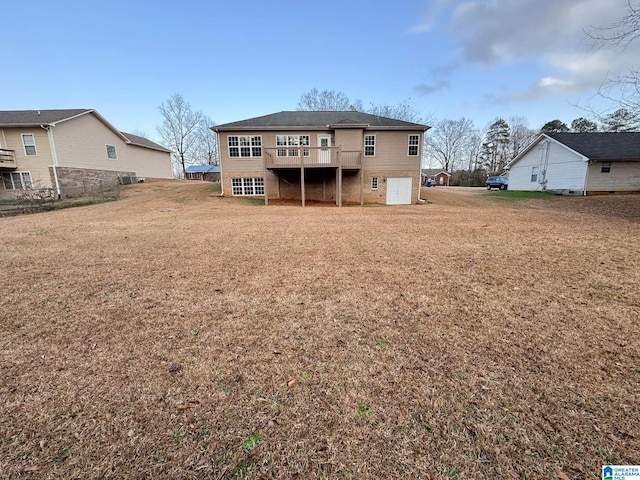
x=177 y=335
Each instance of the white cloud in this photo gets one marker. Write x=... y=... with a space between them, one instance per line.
x=552 y=35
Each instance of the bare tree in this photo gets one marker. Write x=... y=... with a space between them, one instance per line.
x=521 y=135
x=621 y=33
x=179 y=130
x=447 y=142
x=324 y=101
x=332 y=101
x=207 y=148
x=623 y=89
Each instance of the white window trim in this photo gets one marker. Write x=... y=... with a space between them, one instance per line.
x=375 y=182
x=365 y=146
x=22 y=173
x=291 y=150
x=248 y=186
x=251 y=146
x=115 y=150
x=409 y=145
x=535 y=171
x=24 y=145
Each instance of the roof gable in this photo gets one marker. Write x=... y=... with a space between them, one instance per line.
x=311 y=119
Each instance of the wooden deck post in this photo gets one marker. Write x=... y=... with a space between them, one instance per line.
x=361 y=186
x=302 y=179
x=266 y=198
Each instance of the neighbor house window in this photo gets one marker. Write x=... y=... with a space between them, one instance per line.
x=29 y=142
x=606 y=167
x=534 y=174
x=413 y=145
x=247 y=186
x=374 y=183
x=245 y=145
x=369 y=145
x=111 y=152
x=292 y=141
x=17 y=180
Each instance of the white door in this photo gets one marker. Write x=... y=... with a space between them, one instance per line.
x=324 y=153
x=399 y=190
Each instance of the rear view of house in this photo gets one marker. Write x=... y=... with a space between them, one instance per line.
x=579 y=163
x=59 y=149
x=334 y=157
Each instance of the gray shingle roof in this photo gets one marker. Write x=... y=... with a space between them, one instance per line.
x=319 y=119
x=144 y=142
x=602 y=145
x=37 y=117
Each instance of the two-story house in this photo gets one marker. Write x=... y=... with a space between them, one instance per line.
x=336 y=157
x=58 y=149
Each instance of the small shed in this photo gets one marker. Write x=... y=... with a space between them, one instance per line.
x=206 y=173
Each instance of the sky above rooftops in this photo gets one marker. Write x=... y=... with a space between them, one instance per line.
x=480 y=59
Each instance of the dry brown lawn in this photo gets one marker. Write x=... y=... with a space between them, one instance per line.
x=174 y=334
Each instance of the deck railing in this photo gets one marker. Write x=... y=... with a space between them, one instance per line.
x=7 y=158
x=297 y=157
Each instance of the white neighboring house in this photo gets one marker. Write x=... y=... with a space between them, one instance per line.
x=579 y=163
x=63 y=149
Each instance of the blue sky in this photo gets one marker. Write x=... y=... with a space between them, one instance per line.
x=480 y=59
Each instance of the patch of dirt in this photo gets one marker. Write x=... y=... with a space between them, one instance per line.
x=176 y=334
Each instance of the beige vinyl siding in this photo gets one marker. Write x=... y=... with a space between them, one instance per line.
x=349 y=139
x=391 y=151
x=148 y=163
x=39 y=164
x=81 y=143
x=253 y=165
x=624 y=176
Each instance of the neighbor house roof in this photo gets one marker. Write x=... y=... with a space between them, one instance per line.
x=144 y=142
x=297 y=119
x=608 y=146
x=35 y=118
x=17 y=118
x=202 y=169
x=432 y=172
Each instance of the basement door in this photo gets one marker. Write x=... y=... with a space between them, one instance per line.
x=399 y=190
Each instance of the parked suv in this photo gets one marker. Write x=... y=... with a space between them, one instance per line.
x=497 y=182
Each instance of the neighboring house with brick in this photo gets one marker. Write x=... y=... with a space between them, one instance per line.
x=579 y=163
x=336 y=157
x=59 y=149
x=439 y=176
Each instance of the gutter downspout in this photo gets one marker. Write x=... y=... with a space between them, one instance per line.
x=420 y=200
x=220 y=165
x=586 y=177
x=54 y=155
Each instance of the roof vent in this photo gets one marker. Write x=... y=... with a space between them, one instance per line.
x=38 y=112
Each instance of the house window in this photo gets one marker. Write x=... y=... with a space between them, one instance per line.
x=606 y=167
x=111 y=152
x=534 y=174
x=413 y=145
x=292 y=141
x=369 y=145
x=247 y=186
x=29 y=142
x=374 y=183
x=17 y=180
x=244 y=145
